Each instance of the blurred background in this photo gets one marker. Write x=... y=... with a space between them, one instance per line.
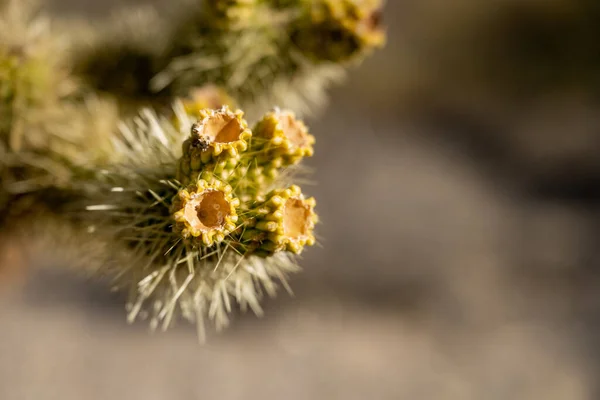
x=459 y=188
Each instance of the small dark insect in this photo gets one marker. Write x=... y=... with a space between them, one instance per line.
x=199 y=141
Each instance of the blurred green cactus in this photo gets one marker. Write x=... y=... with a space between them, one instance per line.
x=258 y=51
x=338 y=30
x=215 y=143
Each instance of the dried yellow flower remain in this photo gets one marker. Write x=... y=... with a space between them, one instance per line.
x=283 y=139
x=285 y=221
x=221 y=131
x=205 y=211
x=214 y=144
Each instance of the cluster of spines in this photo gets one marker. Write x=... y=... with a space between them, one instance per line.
x=198 y=246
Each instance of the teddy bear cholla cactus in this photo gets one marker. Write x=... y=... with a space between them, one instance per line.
x=196 y=247
x=188 y=214
x=284 y=221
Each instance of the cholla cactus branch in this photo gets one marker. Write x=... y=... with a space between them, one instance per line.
x=186 y=208
x=49 y=124
x=190 y=252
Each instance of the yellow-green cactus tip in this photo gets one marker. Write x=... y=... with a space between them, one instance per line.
x=222 y=129
x=215 y=143
x=289 y=219
x=205 y=212
x=283 y=138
